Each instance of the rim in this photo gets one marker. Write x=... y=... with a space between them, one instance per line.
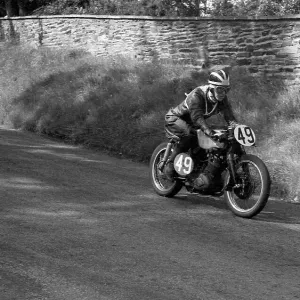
x=247 y=197
x=159 y=178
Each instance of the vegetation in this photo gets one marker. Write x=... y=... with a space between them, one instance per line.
x=183 y=8
x=119 y=105
x=255 y=8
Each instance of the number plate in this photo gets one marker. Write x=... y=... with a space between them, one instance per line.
x=183 y=164
x=244 y=135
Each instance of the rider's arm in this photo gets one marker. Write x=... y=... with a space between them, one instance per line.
x=228 y=112
x=196 y=103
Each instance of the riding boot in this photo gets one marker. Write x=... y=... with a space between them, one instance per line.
x=206 y=178
x=202 y=182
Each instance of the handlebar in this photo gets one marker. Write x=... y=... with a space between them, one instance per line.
x=224 y=134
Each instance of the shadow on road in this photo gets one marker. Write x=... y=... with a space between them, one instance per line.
x=280 y=212
x=274 y=212
x=189 y=200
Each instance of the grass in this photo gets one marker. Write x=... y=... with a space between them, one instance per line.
x=118 y=105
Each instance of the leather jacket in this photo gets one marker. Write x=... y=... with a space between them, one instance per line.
x=197 y=107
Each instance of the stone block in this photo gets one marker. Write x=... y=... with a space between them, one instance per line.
x=252 y=69
x=230 y=49
x=287 y=43
x=173 y=51
x=186 y=50
x=278 y=62
x=258 y=60
x=286 y=69
x=264 y=39
x=297 y=71
x=243 y=54
x=240 y=40
x=266 y=45
x=243 y=61
x=271 y=52
x=282 y=55
x=236 y=29
x=249 y=48
x=289 y=50
x=180 y=38
x=258 y=53
x=265 y=32
x=291 y=62
x=215 y=49
x=276 y=31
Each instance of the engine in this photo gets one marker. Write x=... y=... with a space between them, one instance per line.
x=209 y=169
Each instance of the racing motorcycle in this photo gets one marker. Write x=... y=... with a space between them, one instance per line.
x=243 y=179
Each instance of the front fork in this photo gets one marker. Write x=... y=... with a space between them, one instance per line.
x=167 y=153
x=231 y=168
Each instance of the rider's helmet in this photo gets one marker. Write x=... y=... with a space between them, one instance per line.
x=220 y=78
x=218 y=85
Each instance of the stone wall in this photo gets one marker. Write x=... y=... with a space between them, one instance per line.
x=265 y=45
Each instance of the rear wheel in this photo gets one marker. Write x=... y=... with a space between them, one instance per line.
x=252 y=190
x=161 y=184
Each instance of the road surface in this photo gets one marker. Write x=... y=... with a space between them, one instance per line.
x=79 y=224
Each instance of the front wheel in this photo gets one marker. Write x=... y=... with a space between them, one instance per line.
x=250 y=195
x=161 y=184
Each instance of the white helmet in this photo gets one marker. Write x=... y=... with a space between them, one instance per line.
x=220 y=78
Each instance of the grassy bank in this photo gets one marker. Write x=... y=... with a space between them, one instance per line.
x=119 y=105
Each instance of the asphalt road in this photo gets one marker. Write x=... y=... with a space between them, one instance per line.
x=78 y=224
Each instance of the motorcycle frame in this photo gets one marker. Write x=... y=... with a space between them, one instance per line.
x=233 y=148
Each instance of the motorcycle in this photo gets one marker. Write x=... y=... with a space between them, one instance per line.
x=243 y=179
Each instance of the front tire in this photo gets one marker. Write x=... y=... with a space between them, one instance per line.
x=253 y=178
x=161 y=184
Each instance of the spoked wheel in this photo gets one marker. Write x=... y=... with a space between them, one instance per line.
x=162 y=185
x=250 y=195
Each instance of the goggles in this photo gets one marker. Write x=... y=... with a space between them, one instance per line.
x=222 y=89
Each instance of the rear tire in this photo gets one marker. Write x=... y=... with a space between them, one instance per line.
x=248 y=200
x=161 y=184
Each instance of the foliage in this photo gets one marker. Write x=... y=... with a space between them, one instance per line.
x=222 y=8
x=126 y=7
x=171 y=8
x=255 y=8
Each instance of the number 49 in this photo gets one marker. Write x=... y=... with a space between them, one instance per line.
x=244 y=135
x=183 y=164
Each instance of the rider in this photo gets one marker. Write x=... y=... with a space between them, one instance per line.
x=199 y=104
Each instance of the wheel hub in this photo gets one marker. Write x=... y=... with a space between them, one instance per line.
x=243 y=190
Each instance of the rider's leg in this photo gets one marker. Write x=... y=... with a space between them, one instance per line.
x=183 y=130
x=182 y=146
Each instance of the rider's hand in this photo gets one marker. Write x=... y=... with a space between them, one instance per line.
x=208 y=131
x=212 y=134
x=217 y=135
